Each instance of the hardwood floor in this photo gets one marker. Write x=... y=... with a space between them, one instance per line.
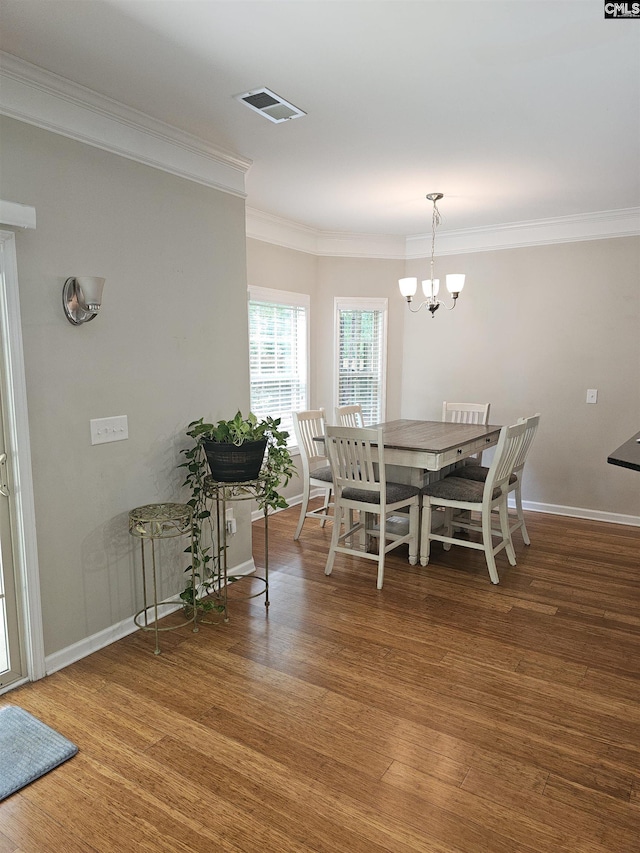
x=441 y=714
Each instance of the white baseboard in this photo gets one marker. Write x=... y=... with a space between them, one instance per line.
x=578 y=512
x=532 y=506
x=79 y=650
x=246 y=568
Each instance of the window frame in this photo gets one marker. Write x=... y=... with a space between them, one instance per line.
x=354 y=303
x=285 y=298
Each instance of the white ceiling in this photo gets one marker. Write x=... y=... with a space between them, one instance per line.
x=516 y=110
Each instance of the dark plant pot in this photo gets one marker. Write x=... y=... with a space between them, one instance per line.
x=233 y=463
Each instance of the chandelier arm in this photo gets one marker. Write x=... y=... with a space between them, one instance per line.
x=432 y=305
x=449 y=307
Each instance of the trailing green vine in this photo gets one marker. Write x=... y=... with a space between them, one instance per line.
x=276 y=471
x=206 y=564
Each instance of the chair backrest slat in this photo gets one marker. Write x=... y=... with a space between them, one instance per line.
x=466 y=413
x=509 y=444
x=532 y=427
x=349 y=416
x=356 y=456
x=308 y=425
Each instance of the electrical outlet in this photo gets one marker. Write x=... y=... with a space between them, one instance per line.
x=592 y=395
x=109 y=429
x=230 y=521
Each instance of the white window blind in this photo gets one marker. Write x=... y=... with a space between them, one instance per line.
x=278 y=324
x=361 y=356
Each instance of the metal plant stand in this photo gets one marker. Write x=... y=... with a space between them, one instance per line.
x=150 y=523
x=222 y=494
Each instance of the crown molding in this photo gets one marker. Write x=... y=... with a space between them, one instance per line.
x=35 y=96
x=600 y=225
x=280 y=232
x=567 y=229
x=292 y=235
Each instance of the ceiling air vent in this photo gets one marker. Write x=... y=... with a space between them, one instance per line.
x=270 y=105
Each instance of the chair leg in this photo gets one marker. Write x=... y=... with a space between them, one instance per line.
x=448 y=526
x=367 y=541
x=425 y=531
x=382 y=548
x=335 y=536
x=325 y=506
x=523 y=526
x=303 y=509
x=361 y=531
x=487 y=542
x=414 y=525
x=506 y=533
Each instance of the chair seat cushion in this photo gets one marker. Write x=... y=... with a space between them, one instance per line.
x=457 y=489
x=395 y=492
x=323 y=473
x=476 y=472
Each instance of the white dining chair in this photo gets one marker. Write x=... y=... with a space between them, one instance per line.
x=316 y=472
x=456 y=493
x=356 y=457
x=480 y=473
x=349 y=416
x=466 y=413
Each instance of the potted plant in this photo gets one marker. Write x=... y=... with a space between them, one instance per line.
x=220 y=449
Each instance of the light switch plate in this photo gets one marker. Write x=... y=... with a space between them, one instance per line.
x=592 y=395
x=109 y=429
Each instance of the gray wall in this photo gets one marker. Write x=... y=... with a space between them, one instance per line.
x=169 y=346
x=534 y=328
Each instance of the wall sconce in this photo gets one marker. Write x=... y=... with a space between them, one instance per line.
x=82 y=298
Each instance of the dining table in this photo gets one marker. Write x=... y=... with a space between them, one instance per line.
x=417 y=452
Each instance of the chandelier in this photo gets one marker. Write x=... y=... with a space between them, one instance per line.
x=431 y=286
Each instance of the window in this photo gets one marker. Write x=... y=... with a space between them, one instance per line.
x=278 y=354
x=361 y=341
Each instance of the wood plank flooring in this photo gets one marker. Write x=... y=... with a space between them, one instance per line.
x=441 y=714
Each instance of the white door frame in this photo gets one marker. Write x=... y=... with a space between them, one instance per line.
x=18 y=449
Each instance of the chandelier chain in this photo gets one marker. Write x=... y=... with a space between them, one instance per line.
x=435 y=221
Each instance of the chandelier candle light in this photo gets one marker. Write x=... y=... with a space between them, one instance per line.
x=431 y=286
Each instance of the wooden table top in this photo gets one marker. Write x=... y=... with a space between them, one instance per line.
x=431 y=436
